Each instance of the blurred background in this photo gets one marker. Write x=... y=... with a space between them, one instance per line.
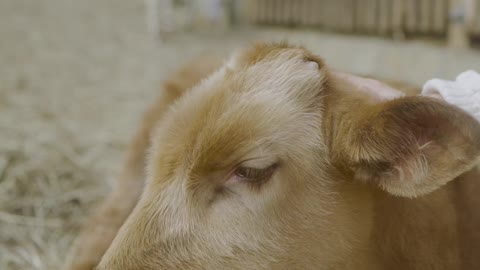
x=75 y=76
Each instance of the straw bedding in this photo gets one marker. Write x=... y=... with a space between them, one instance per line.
x=74 y=79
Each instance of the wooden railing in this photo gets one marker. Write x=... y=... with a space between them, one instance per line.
x=455 y=20
x=382 y=17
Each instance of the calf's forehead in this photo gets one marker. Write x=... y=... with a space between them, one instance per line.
x=236 y=112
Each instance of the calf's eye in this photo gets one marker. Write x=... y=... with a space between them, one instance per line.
x=254 y=174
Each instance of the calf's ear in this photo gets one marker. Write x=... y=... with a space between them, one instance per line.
x=408 y=146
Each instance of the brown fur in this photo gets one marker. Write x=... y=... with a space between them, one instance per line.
x=341 y=154
x=103 y=225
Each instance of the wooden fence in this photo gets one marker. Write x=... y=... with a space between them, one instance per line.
x=476 y=18
x=382 y=17
x=456 y=20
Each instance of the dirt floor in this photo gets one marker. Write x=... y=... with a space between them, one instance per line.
x=74 y=79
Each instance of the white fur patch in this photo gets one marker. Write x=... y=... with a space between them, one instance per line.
x=232 y=61
x=312 y=65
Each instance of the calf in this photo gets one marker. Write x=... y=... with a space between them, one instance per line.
x=276 y=162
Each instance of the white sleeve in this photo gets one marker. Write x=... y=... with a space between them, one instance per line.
x=464 y=92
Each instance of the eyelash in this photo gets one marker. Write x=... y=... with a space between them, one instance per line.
x=254 y=175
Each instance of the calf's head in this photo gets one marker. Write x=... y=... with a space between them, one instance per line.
x=272 y=161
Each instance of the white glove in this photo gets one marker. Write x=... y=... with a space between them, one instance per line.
x=464 y=92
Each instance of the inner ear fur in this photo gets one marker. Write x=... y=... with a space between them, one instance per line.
x=408 y=146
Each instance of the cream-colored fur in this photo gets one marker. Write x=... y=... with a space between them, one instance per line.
x=346 y=167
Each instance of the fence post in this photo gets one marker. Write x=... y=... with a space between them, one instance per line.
x=398 y=18
x=457 y=28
